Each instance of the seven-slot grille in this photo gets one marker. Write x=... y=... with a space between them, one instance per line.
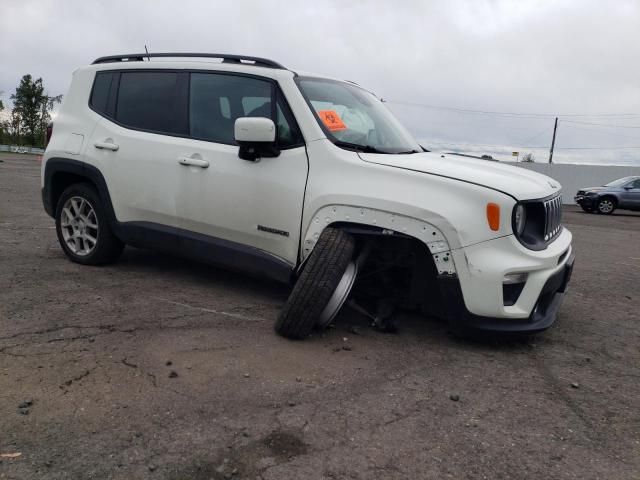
x=553 y=217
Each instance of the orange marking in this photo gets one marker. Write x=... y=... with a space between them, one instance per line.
x=493 y=216
x=332 y=120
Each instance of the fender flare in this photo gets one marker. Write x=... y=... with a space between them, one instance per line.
x=57 y=165
x=382 y=223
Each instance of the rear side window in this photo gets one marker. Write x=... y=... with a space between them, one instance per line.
x=103 y=87
x=153 y=101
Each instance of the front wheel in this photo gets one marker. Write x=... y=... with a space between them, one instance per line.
x=322 y=288
x=606 y=206
x=83 y=229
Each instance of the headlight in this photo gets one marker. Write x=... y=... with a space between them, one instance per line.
x=520 y=217
x=536 y=223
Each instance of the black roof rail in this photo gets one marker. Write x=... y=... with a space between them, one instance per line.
x=226 y=58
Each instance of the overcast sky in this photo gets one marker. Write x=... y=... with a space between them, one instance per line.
x=540 y=57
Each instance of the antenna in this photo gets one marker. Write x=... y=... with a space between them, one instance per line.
x=145 y=49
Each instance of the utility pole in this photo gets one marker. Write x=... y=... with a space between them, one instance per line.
x=553 y=142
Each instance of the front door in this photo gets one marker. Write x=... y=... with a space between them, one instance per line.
x=630 y=195
x=254 y=205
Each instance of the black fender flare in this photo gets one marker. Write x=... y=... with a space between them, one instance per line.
x=59 y=165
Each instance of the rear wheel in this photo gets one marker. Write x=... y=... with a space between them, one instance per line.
x=606 y=205
x=322 y=288
x=83 y=229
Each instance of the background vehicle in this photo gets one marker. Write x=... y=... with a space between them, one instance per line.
x=301 y=178
x=623 y=193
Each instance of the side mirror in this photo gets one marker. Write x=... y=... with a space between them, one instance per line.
x=628 y=187
x=256 y=137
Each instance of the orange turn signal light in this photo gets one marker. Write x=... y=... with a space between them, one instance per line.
x=493 y=216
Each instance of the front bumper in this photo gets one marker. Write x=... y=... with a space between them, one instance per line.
x=586 y=201
x=542 y=316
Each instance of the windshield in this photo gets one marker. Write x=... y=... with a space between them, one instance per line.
x=619 y=182
x=355 y=119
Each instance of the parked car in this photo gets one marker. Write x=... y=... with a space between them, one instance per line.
x=623 y=193
x=304 y=179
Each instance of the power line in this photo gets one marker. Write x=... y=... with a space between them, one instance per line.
x=602 y=124
x=603 y=132
x=510 y=114
x=529 y=146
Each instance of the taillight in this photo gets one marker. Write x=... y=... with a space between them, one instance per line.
x=49 y=132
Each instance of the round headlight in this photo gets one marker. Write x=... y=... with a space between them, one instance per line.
x=520 y=219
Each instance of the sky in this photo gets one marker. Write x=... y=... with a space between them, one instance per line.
x=474 y=76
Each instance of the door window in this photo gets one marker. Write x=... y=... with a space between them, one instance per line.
x=217 y=100
x=153 y=101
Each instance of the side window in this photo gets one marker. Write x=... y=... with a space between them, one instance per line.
x=153 y=101
x=636 y=184
x=100 y=95
x=217 y=100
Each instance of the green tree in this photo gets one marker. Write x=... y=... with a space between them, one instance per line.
x=32 y=108
x=3 y=126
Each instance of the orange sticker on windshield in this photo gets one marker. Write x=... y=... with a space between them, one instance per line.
x=332 y=120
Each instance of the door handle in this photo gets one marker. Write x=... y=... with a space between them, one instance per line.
x=106 y=146
x=194 y=162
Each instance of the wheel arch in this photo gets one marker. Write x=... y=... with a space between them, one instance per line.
x=610 y=196
x=60 y=173
x=365 y=221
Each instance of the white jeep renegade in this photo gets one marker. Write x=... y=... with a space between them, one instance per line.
x=243 y=163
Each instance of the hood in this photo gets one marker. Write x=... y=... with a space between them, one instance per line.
x=592 y=189
x=517 y=182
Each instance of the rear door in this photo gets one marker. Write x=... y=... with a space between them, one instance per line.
x=257 y=205
x=137 y=142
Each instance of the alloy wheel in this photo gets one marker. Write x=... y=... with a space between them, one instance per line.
x=79 y=226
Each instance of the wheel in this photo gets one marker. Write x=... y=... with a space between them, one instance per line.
x=587 y=209
x=83 y=229
x=606 y=206
x=322 y=288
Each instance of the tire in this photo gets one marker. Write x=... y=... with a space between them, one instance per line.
x=321 y=275
x=80 y=217
x=606 y=205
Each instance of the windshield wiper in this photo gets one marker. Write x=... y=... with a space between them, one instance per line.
x=407 y=152
x=358 y=147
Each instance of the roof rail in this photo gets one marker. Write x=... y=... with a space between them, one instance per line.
x=240 y=59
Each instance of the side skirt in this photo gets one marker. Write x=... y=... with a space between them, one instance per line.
x=211 y=250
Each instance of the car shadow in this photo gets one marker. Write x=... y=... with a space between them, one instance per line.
x=180 y=269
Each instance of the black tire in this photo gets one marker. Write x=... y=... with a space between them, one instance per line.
x=606 y=205
x=107 y=247
x=319 y=279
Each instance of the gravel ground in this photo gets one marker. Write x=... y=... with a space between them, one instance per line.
x=164 y=369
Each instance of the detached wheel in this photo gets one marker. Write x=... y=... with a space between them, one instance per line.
x=606 y=206
x=83 y=229
x=322 y=288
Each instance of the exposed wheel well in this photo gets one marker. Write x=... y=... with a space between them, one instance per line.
x=399 y=268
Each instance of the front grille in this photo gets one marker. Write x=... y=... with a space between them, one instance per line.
x=553 y=218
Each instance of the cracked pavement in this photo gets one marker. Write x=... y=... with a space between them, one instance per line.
x=94 y=348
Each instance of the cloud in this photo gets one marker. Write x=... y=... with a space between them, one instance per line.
x=556 y=57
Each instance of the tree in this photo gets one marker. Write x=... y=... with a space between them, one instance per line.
x=31 y=107
x=3 y=124
x=529 y=158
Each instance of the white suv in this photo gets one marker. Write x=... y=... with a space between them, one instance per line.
x=243 y=163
